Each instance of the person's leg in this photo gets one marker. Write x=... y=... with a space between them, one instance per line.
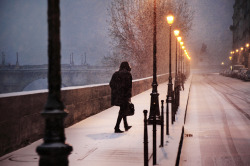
x=126 y=126
x=125 y=121
x=119 y=119
x=124 y=109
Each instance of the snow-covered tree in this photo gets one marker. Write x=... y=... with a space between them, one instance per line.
x=131 y=31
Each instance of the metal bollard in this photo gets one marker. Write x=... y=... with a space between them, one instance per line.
x=167 y=116
x=173 y=107
x=145 y=138
x=162 y=123
x=179 y=89
x=177 y=94
x=154 y=139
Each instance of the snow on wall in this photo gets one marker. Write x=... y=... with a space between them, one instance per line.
x=22 y=124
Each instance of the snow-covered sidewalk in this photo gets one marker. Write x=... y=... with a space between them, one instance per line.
x=95 y=143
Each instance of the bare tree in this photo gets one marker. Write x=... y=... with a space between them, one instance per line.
x=131 y=31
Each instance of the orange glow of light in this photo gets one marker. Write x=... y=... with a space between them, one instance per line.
x=170 y=19
x=188 y=57
x=176 y=32
x=179 y=39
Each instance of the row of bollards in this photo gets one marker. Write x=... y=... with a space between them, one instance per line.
x=174 y=100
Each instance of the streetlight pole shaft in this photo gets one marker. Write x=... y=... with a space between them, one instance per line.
x=177 y=94
x=170 y=85
x=181 y=64
x=179 y=60
x=154 y=95
x=170 y=64
x=176 y=65
x=154 y=51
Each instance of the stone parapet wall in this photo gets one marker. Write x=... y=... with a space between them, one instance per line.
x=21 y=122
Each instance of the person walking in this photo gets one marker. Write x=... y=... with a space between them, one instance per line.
x=121 y=92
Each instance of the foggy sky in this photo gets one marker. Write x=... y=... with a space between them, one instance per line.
x=24 y=30
x=212 y=19
x=84 y=29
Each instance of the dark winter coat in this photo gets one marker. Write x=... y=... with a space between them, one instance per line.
x=121 y=87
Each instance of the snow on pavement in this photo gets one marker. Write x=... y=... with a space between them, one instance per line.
x=95 y=143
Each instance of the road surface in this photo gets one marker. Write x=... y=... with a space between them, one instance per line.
x=217 y=129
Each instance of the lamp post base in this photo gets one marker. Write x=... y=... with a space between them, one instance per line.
x=54 y=154
x=170 y=91
x=154 y=109
x=54 y=151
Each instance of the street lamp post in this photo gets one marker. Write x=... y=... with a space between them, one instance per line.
x=180 y=57
x=184 y=65
x=154 y=115
x=170 y=20
x=176 y=33
x=241 y=56
x=182 y=69
x=237 y=56
x=248 y=56
x=54 y=151
x=188 y=67
x=154 y=106
x=170 y=94
x=231 y=58
x=180 y=44
x=178 y=74
x=177 y=84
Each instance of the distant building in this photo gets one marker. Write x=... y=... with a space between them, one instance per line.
x=241 y=32
x=204 y=60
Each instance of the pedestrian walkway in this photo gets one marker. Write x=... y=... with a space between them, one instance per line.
x=95 y=143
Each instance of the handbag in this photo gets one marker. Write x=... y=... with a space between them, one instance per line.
x=131 y=109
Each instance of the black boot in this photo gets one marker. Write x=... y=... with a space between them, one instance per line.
x=126 y=126
x=117 y=130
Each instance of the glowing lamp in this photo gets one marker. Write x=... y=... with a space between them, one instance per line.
x=170 y=19
x=176 y=32
x=179 y=39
